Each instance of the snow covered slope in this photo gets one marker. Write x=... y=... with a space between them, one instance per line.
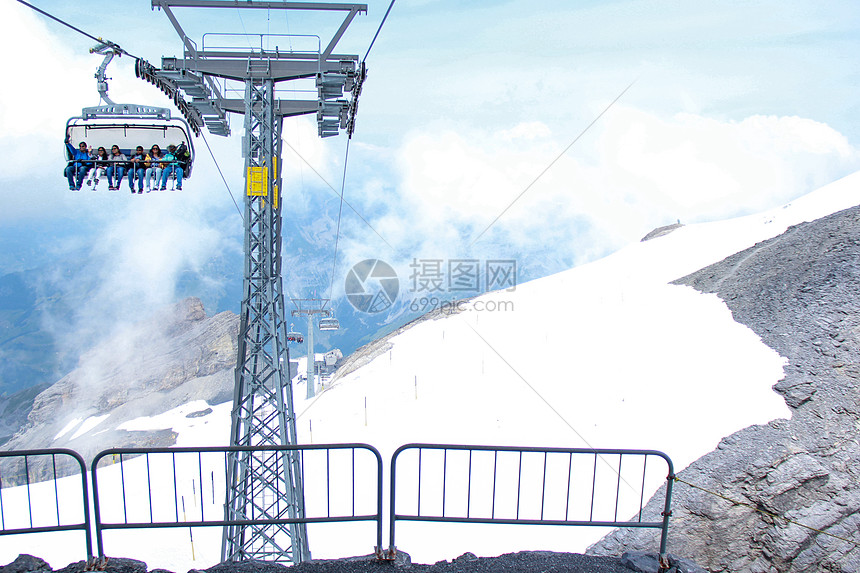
x=604 y=355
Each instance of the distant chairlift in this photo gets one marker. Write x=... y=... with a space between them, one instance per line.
x=296 y=337
x=329 y=323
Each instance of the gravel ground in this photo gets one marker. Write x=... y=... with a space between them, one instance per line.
x=523 y=562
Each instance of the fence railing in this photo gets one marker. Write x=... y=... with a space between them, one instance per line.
x=33 y=499
x=186 y=487
x=526 y=486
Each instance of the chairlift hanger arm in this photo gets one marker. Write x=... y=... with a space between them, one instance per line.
x=186 y=41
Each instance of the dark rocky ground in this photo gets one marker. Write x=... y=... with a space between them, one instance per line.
x=523 y=562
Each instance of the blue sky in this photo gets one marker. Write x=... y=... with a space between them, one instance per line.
x=734 y=107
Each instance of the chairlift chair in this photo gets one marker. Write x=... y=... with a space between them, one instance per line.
x=329 y=323
x=129 y=125
x=296 y=337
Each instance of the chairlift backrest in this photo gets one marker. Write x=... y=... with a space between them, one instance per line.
x=142 y=126
x=329 y=324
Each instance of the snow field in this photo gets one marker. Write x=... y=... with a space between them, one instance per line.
x=607 y=355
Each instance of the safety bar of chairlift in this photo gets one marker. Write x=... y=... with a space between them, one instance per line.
x=91 y=164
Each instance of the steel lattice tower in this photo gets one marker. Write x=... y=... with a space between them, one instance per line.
x=263 y=486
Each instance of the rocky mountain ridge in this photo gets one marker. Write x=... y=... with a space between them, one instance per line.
x=798 y=292
x=178 y=356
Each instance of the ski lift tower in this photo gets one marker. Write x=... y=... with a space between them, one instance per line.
x=311 y=307
x=262 y=486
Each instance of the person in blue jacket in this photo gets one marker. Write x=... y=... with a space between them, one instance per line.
x=79 y=165
x=172 y=165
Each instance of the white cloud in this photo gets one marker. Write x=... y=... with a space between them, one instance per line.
x=634 y=171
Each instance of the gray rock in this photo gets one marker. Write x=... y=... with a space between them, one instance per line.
x=113 y=565
x=26 y=564
x=641 y=562
x=467 y=556
x=798 y=292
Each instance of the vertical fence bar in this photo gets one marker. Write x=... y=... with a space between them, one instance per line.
x=122 y=488
x=86 y=504
x=543 y=485
x=149 y=488
x=618 y=487
x=419 y=480
x=175 y=485
x=301 y=473
x=519 y=482
x=642 y=492
x=327 y=482
x=444 y=477
x=667 y=510
x=56 y=491
x=569 y=478
x=200 y=477
x=593 y=485
x=495 y=467
x=392 y=504
x=29 y=502
x=2 y=516
x=469 y=487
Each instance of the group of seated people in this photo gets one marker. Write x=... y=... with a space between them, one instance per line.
x=151 y=170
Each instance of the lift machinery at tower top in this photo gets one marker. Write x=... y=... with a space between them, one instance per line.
x=261 y=487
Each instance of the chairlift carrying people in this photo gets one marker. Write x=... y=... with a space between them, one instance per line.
x=126 y=126
x=293 y=336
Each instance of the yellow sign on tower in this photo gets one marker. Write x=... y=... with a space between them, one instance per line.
x=258 y=181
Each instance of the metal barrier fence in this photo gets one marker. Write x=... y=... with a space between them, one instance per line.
x=168 y=477
x=526 y=485
x=36 y=500
x=137 y=488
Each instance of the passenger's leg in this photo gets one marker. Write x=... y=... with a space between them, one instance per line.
x=69 y=172
x=165 y=173
x=120 y=173
x=82 y=173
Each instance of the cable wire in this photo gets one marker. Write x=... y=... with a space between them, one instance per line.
x=346 y=161
x=224 y=179
x=113 y=45
x=339 y=213
x=378 y=30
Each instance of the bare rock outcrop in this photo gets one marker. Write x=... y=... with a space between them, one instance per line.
x=798 y=292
